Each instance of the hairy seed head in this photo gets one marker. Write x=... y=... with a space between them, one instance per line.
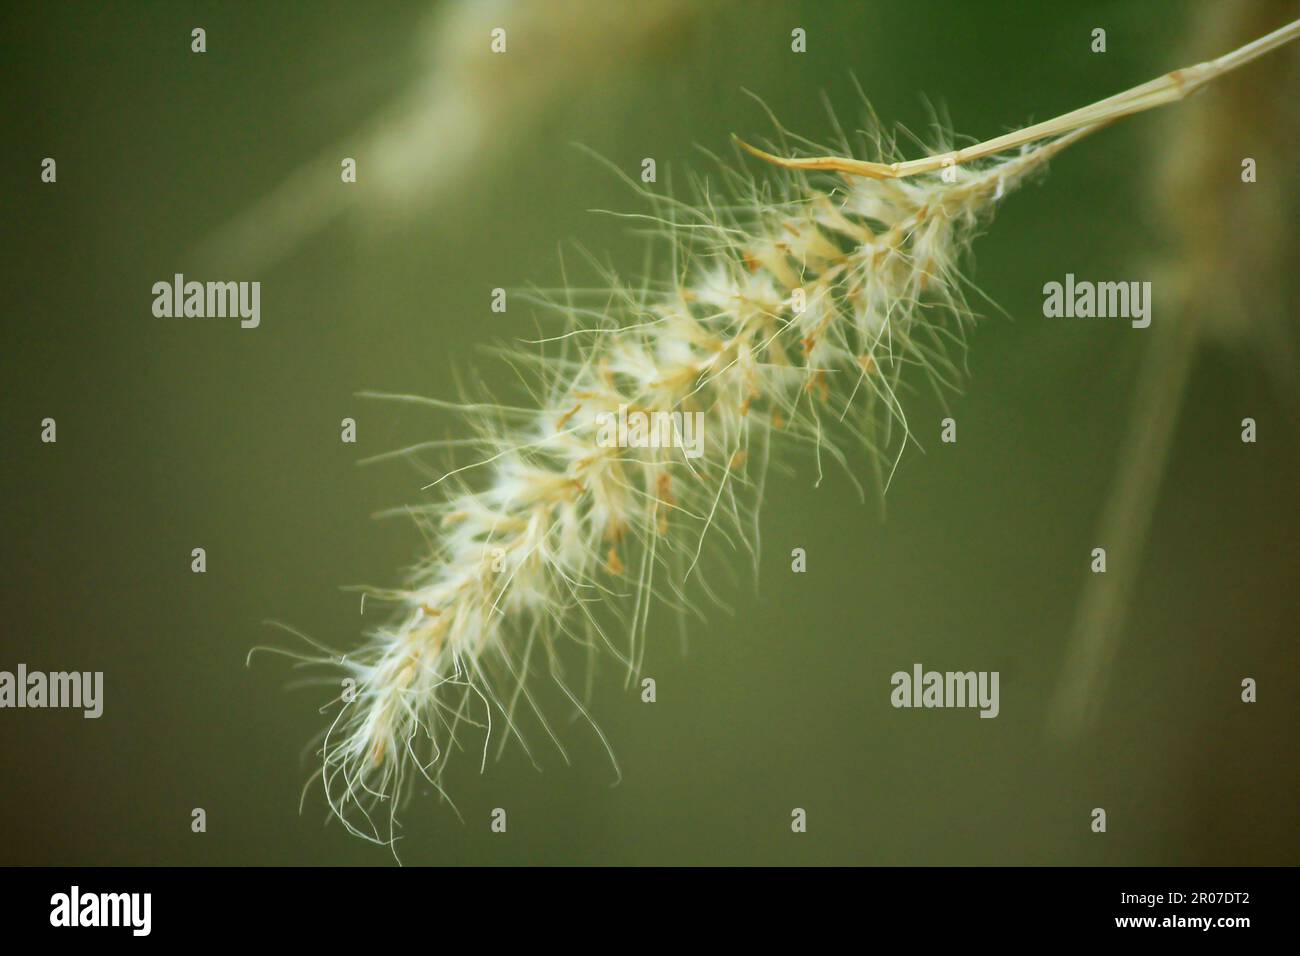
x=798 y=309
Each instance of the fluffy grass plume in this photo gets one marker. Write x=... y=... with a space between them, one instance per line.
x=794 y=308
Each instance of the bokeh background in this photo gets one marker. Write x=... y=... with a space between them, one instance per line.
x=176 y=434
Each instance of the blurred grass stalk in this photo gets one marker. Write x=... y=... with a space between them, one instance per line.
x=468 y=108
x=1234 y=249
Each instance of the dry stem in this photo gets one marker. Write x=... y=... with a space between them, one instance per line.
x=1170 y=88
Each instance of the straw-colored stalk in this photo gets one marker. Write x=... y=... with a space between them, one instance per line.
x=792 y=311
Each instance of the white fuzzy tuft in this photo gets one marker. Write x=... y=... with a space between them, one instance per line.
x=549 y=522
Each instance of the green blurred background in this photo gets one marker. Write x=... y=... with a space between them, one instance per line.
x=176 y=434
